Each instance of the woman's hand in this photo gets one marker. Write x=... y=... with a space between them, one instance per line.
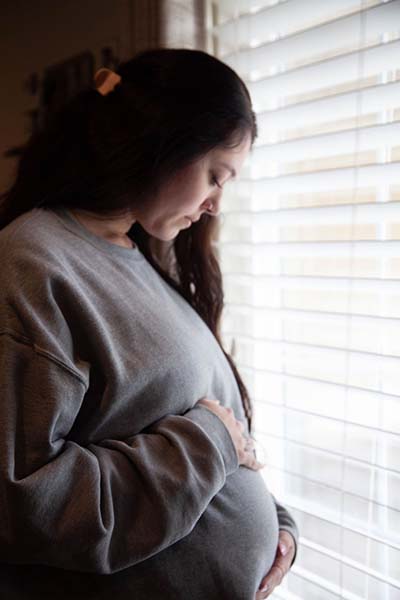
x=280 y=567
x=244 y=445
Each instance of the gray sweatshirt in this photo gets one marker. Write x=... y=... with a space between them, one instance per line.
x=113 y=484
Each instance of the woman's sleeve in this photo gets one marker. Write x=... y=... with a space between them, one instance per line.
x=107 y=505
x=287 y=523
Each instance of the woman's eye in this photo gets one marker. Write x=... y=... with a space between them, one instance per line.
x=215 y=181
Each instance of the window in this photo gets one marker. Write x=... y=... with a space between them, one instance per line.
x=310 y=250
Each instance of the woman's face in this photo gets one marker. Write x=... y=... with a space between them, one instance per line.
x=194 y=190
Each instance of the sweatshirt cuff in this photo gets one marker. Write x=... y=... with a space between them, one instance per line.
x=215 y=429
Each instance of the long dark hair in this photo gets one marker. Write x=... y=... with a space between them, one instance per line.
x=110 y=153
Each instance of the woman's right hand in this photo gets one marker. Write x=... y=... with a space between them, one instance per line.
x=244 y=446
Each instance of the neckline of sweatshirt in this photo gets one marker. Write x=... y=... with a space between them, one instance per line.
x=71 y=223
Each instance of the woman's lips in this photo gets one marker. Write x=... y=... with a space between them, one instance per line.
x=190 y=220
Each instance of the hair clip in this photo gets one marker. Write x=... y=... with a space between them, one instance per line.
x=105 y=80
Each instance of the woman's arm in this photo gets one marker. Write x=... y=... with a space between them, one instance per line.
x=107 y=505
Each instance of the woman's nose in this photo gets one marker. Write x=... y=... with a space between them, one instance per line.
x=211 y=206
x=211 y=209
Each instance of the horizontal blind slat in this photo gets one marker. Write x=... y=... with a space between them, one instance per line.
x=279 y=12
x=355 y=384
x=370 y=99
x=367 y=349
x=367 y=448
x=351 y=368
x=329 y=522
x=318 y=308
x=364 y=428
x=347 y=561
x=379 y=143
x=324 y=78
x=326 y=474
x=323 y=41
x=325 y=180
x=299 y=214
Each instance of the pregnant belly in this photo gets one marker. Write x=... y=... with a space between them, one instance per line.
x=242 y=523
x=225 y=556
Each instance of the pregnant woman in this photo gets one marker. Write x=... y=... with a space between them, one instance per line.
x=127 y=469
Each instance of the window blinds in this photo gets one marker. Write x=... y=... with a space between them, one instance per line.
x=309 y=245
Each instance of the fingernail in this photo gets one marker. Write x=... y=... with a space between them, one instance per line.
x=264 y=587
x=283 y=549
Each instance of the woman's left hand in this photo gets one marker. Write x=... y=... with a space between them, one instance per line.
x=281 y=566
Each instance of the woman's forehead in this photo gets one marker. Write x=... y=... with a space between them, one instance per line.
x=231 y=157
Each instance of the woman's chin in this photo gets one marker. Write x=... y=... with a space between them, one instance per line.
x=169 y=233
x=184 y=223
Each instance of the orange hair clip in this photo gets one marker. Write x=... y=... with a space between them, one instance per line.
x=105 y=80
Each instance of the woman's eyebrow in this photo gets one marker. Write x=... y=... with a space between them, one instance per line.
x=232 y=171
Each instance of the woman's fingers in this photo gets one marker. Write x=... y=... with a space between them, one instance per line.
x=244 y=445
x=251 y=461
x=250 y=445
x=280 y=567
x=240 y=425
x=254 y=463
